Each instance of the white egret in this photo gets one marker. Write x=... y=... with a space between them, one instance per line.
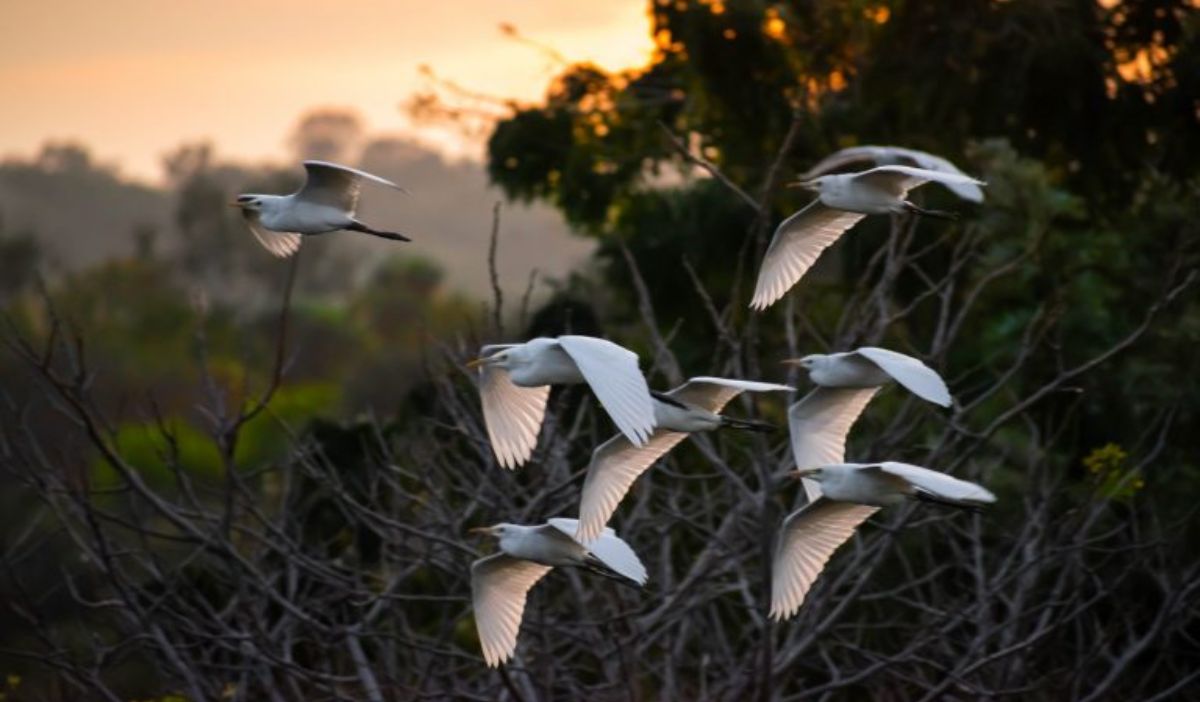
x=895 y=156
x=500 y=582
x=617 y=463
x=515 y=381
x=842 y=200
x=325 y=203
x=846 y=382
x=852 y=492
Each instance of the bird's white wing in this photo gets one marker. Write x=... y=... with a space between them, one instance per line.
x=513 y=415
x=900 y=155
x=818 y=425
x=884 y=155
x=809 y=537
x=920 y=379
x=797 y=243
x=499 y=585
x=898 y=180
x=281 y=244
x=928 y=161
x=840 y=159
x=714 y=393
x=336 y=185
x=608 y=548
x=937 y=484
x=615 y=465
x=613 y=374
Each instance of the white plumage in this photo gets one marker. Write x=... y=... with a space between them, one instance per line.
x=515 y=380
x=818 y=425
x=852 y=493
x=499 y=587
x=500 y=583
x=617 y=463
x=326 y=202
x=846 y=382
x=842 y=200
x=890 y=482
x=807 y=540
x=513 y=414
x=895 y=156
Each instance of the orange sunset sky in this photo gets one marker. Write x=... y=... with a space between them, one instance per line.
x=133 y=78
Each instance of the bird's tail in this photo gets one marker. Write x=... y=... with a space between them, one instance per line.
x=930 y=498
x=597 y=566
x=747 y=424
x=365 y=229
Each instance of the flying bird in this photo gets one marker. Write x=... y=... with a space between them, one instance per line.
x=500 y=582
x=515 y=380
x=842 y=200
x=852 y=493
x=325 y=203
x=846 y=382
x=617 y=463
x=895 y=156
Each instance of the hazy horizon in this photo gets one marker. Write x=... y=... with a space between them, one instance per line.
x=131 y=80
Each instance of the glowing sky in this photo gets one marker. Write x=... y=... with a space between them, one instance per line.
x=133 y=78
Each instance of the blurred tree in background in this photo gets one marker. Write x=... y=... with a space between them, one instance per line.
x=328 y=135
x=349 y=491
x=20 y=259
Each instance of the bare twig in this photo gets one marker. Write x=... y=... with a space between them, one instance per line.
x=497 y=294
x=708 y=166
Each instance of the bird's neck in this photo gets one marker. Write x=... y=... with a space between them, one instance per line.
x=271 y=203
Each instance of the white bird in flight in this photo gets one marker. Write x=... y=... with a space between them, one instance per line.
x=515 y=382
x=617 y=463
x=842 y=200
x=325 y=203
x=852 y=492
x=895 y=156
x=500 y=582
x=819 y=422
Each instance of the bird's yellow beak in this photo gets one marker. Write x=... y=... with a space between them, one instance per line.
x=234 y=203
x=477 y=362
x=481 y=531
x=792 y=362
x=806 y=184
x=805 y=473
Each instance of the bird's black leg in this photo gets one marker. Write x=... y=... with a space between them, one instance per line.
x=747 y=424
x=937 y=214
x=922 y=496
x=360 y=227
x=595 y=565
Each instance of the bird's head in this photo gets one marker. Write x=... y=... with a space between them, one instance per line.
x=806 y=362
x=500 y=359
x=813 y=184
x=248 y=203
